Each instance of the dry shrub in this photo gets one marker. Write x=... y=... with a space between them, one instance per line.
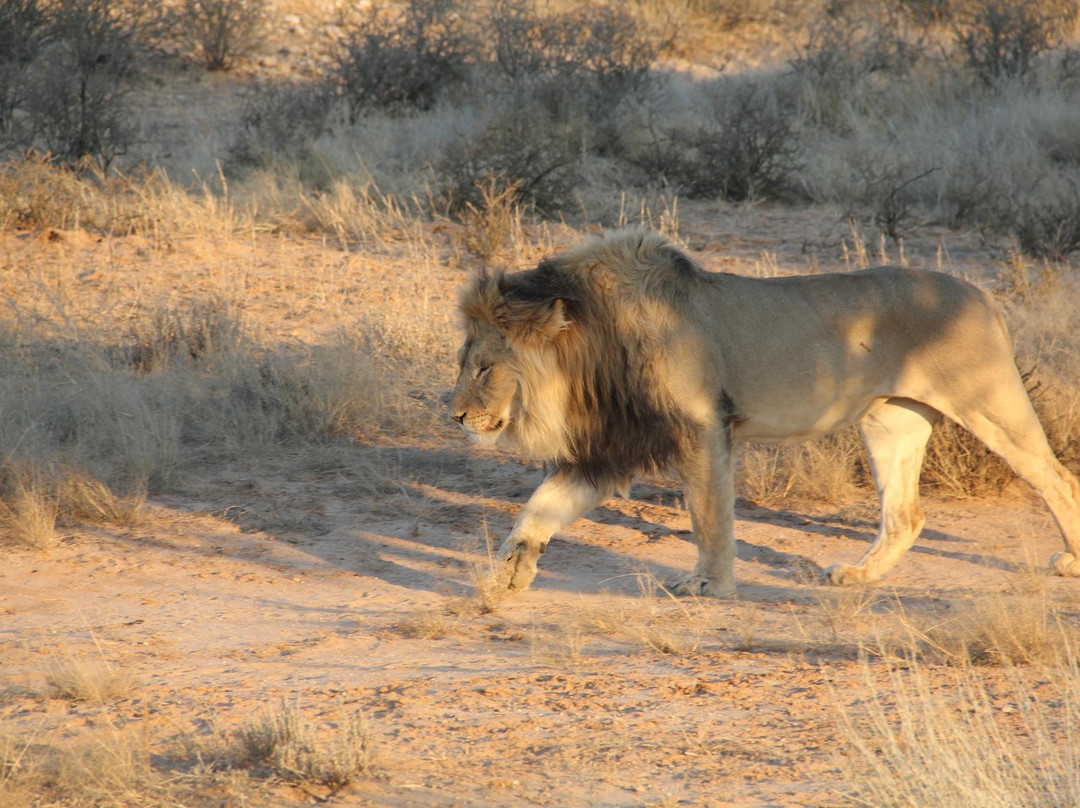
x=745 y=149
x=402 y=59
x=221 y=30
x=296 y=749
x=494 y=226
x=524 y=147
x=1003 y=39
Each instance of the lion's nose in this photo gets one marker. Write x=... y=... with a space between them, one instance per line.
x=459 y=417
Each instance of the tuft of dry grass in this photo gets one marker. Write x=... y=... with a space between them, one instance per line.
x=488 y=583
x=295 y=748
x=90 y=680
x=28 y=510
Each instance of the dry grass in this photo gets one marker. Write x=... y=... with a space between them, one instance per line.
x=110 y=766
x=94 y=680
x=487 y=582
x=93 y=420
x=922 y=736
x=296 y=749
x=830 y=469
x=1001 y=628
x=654 y=621
x=28 y=512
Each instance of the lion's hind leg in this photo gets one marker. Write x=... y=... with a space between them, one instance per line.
x=895 y=434
x=1006 y=422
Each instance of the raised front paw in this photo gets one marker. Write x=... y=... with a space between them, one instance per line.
x=698 y=585
x=848 y=575
x=515 y=563
x=1065 y=564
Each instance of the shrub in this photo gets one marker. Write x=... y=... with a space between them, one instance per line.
x=280 y=124
x=521 y=147
x=222 y=30
x=746 y=149
x=23 y=34
x=405 y=61
x=845 y=48
x=1046 y=221
x=1004 y=39
x=580 y=64
x=77 y=107
x=291 y=746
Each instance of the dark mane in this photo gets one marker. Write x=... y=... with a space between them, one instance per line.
x=618 y=419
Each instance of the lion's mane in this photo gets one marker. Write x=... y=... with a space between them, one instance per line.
x=589 y=395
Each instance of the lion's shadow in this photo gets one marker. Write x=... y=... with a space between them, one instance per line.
x=455 y=502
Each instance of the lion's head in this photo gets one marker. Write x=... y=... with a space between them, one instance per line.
x=560 y=359
x=510 y=380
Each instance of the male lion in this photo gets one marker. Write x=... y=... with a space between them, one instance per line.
x=624 y=355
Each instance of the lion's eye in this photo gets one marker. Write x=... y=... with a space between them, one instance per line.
x=483 y=371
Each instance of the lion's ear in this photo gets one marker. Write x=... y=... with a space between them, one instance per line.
x=541 y=321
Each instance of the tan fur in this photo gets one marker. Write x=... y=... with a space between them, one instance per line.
x=623 y=355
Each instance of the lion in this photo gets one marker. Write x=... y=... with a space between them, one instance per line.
x=623 y=355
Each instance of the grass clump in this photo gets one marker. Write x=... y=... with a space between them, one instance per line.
x=1000 y=629
x=296 y=749
x=94 y=682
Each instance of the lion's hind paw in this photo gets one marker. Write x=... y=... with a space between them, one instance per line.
x=1065 y=564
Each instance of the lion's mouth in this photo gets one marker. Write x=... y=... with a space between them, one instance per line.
x=487 y=435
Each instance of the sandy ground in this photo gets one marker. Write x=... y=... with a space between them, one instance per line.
x=342 y=577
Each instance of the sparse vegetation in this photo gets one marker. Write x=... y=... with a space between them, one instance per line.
x=177 y=303
x=922 y=738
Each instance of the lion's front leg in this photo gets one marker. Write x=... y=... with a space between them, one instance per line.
x=561 y=498
x=708 y=481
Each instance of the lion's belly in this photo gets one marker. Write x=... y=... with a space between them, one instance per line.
x=783 y=424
